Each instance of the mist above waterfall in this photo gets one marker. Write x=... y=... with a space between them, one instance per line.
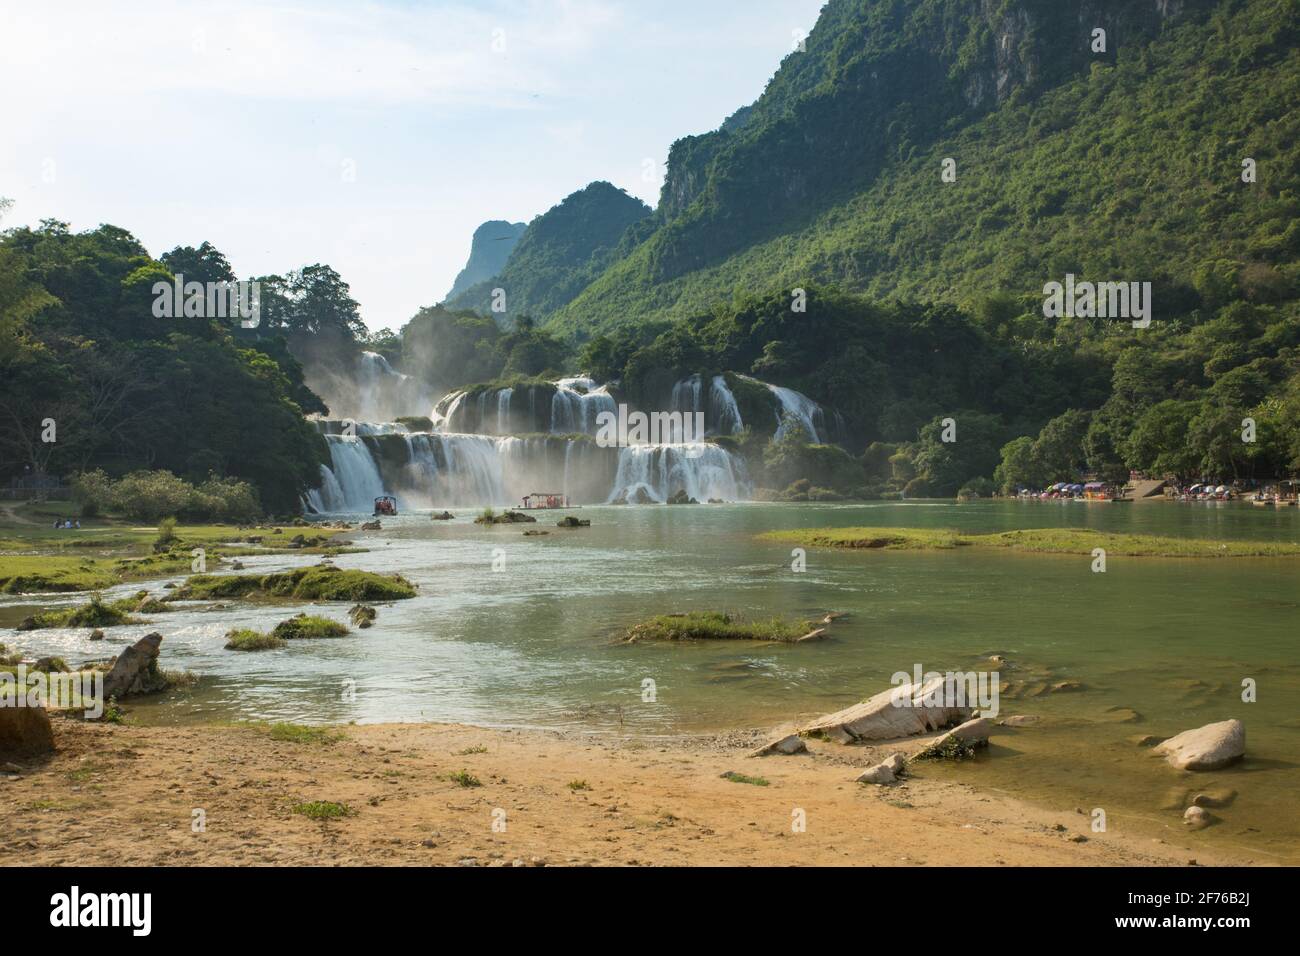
x=368 y=389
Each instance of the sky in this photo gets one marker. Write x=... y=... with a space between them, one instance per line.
x=371 y=136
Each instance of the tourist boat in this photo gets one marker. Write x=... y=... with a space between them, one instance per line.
x=541 y=500
x=386 y=505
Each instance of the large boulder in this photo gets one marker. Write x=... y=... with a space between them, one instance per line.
x=25 y=732
x=1206 y=748
x=903 y=711
x=136 y=669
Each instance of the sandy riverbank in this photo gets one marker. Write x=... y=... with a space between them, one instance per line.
x=126 y=795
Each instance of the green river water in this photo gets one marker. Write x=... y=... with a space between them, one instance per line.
x=535 y=642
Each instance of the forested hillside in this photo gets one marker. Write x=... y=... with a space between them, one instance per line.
x=560 y=252
x=1118 y=165
x=91 y=378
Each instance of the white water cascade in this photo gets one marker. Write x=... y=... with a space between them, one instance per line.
x=702 y=469
x=351 y=481
x=721 y=414
x=576 y=404
x=489 y=446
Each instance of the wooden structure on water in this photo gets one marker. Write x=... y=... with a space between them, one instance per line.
x=541 y=500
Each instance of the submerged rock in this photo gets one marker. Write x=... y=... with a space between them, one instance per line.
x=1216 y=797
x=1019 y=720
x=903 y=711
x=1197 y=818
x=1206 y=748
x=1065 y=686
x=445 y=516
x=1122 y=715
x=25 y=732
x=362 y=615
x=1146 y=740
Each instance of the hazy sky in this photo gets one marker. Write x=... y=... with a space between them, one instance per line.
x=373 y=136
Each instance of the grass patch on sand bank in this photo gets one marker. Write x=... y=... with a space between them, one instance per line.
x=31 y=573
x=302 y=734
x=36 y=558
x=716 y=626
x=1037 y=540
x=323 y=810
x=735 y=777
x=319 y=583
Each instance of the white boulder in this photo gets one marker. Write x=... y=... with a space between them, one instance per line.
x=1206 y=748
x=903 y=711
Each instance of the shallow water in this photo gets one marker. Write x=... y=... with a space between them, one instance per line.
x=535 y=643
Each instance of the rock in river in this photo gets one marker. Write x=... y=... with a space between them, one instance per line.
x=1197 y=818
x=136 y=669
x=1206 y=748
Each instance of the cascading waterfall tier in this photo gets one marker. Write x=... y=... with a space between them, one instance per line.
x=701 y=469
x=437 y=470
x=492 y=445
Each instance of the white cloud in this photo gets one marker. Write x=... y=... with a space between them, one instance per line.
x=439 y=53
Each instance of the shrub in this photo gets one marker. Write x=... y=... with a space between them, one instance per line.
x=166 y=534
x=977 y=488
x=154 y=495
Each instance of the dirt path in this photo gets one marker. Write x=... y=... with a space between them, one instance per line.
x=10 y=517
x=128 y=795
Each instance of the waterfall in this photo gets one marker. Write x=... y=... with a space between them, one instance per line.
x=721 y=414
x=503 y=410
x=723 y=410
x=351 y=482
x=575 y=405
x=474 y=455
x=440 y=470
x=807 y=412
x=446 y=408
x=702 y=469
